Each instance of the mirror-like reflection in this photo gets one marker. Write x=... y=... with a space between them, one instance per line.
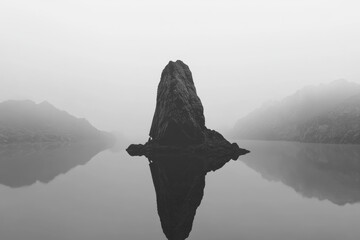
x=323 y=171
x=24 y=164
x=179 y=181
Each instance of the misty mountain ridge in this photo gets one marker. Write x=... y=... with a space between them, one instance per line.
x=26 y=121
x=327 y=113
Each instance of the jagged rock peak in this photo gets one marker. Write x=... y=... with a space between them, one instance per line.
x=179 y=114
x=178 y=68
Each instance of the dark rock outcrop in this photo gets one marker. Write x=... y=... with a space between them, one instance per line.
x=179 y=123
x=179 y=114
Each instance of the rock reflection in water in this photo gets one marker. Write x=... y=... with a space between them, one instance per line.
x=24 y=164
x=179 y=181
x=323 y=171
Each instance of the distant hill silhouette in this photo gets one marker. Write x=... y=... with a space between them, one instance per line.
x=26 y=121
x=328 y=113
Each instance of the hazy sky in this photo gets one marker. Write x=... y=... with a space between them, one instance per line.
x=102 y=59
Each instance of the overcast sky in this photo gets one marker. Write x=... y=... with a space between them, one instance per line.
x=102 y=59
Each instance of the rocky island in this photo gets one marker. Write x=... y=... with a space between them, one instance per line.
x=179 y=123
x=181 y=151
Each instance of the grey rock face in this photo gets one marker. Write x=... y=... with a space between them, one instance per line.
x=178 y=125
x=179 y=114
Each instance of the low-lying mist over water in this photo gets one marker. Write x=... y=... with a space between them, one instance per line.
x=106 y=133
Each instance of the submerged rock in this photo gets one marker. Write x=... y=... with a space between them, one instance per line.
x=179 y=124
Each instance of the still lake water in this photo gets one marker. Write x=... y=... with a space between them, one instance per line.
x=279 y=191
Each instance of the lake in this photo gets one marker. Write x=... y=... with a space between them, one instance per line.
x=279 y=191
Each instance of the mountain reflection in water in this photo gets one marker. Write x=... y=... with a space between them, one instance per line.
x=24 y=164
x=323 y=171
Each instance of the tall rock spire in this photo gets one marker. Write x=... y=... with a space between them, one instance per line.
x=179 y=114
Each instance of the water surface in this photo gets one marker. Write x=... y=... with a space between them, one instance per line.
x=279 y=191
